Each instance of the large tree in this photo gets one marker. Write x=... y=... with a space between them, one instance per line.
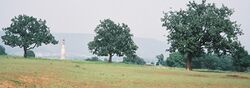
x=201 y=28
x=112 y=39
x=27 y=32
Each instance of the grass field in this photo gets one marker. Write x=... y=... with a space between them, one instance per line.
x=43 y=73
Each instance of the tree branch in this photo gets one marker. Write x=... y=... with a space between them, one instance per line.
x=32 y=47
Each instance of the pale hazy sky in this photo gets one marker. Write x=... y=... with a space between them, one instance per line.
x=142 y=16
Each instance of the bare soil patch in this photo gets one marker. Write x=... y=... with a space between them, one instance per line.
x=237 y=76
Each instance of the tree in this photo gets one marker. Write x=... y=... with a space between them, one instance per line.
x=175 y=59
x=2 y=50
x=160 y=59
x=27 y=32
x=133 y=60
x=201 y=28
x=241 y=59
x=112 y=39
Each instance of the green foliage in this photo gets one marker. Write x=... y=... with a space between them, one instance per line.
x=2 y=50
x=206 y=61
x=175 y=59
x=133 y=60
x=160 y=59
x=241 y=59
x=27 y=32
x=93 y=59
x=214 y=62
x=30 y=53
x=112 y=39
x=201 y=28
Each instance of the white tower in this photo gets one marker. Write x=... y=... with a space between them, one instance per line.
x=63 y=53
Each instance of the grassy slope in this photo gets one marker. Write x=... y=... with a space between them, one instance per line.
x=31 y=73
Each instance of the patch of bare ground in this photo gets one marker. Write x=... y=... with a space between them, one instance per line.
x=142 y=83
x=236 y=76
x=21 y=80
x=198 y=75
x=224 y=86
x=184 y=74
x=28 y=80
x=77 y=84
x=7 y=84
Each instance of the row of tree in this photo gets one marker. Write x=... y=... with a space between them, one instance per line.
x=210 y=61
x=200 y=29
x=112 y=39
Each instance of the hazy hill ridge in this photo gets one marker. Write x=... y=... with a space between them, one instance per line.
x=76 y=47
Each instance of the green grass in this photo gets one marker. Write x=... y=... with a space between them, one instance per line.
x=46 y=73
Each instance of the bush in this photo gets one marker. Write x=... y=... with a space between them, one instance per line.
x=206 y=61
x=214 y=62
x=241 y=59
x=133 y=60
x=30 y=53
x=2 y=50
x=175 y=60
x=93 y=59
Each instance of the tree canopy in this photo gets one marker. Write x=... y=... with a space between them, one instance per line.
x=27 y=32
x=201 y=28
x=112 y=39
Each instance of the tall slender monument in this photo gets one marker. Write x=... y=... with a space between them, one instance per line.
x=63 y=53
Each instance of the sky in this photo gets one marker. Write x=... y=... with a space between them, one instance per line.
x=142 y=16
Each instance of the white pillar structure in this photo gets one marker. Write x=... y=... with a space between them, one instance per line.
x=63 y=53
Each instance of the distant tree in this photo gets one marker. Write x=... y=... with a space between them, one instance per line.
x=241 y=59
x=30 y=53
x=93 y=59
x=27 y=32
x=160 y=59
x=112 y=39
x=175 y=59
x=133 y=60
x=2 y=50
x=201 y=28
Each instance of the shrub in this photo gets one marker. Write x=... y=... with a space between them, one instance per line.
x=214 y=62
x=30 y=53
x=241 y=59
x=93 y=59
x=206 y=61
x=2 y=50
x=133 y=60
x=175 y=60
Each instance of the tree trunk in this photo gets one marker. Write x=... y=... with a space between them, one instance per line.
x=25 y=52
x=189 y=62
x=110 y=58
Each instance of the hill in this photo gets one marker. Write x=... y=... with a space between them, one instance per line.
x=76 y=47
x=47 y=73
